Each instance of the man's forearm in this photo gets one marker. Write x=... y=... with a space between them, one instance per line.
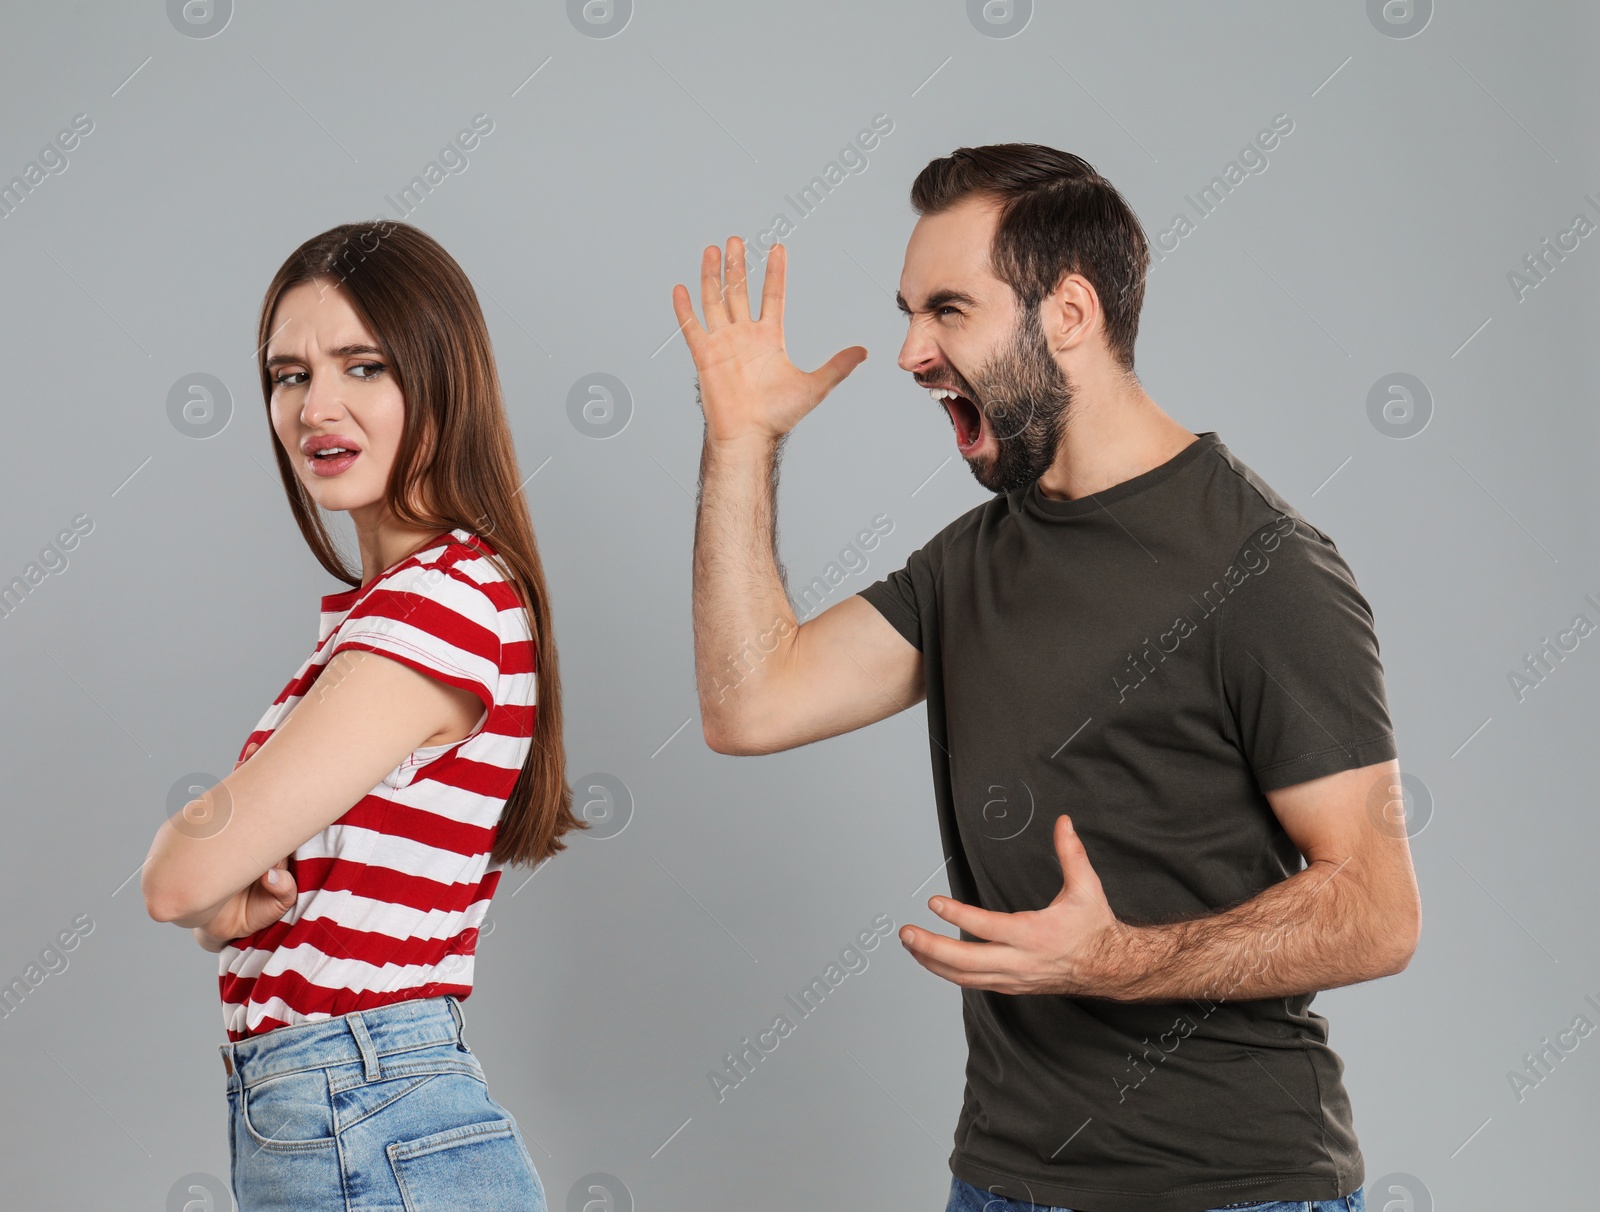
x=1316 y=930
x=742 y=615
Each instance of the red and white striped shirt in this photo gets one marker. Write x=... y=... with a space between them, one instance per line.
x=392 y=894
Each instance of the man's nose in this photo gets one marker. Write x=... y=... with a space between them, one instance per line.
x=918 y=353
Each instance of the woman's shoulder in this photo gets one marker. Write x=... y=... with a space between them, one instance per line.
x=457 y=553
x=472 y=558
x=455 y=574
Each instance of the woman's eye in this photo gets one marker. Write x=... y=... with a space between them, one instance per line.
x=374 y=369
x=289 y=378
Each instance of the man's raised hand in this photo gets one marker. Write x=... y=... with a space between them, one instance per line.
x=748 y=386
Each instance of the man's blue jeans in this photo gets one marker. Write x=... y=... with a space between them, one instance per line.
x=966 y=1198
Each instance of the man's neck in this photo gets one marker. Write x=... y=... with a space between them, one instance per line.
x=1111 y=435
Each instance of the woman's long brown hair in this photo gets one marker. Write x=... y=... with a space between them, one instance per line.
x=422 y=309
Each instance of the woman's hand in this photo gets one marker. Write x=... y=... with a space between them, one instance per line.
x=250 y=909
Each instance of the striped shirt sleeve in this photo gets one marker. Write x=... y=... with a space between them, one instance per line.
x=435 y=620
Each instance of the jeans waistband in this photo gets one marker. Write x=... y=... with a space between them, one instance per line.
x=362 y=1036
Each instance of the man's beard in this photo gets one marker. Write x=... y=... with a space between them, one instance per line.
x=1026 y=398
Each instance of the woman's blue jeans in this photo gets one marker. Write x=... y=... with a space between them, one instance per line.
x=382 y=1110
x=966 y=1198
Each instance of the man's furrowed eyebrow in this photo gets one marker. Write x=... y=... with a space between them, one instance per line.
x=343 y=351
x=942 y=297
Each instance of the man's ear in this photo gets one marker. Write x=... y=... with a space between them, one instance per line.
x=1069 y=313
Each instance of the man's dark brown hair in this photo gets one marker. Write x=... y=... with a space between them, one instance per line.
x=1058 y=216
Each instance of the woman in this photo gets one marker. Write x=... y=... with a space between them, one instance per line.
x=399 y=788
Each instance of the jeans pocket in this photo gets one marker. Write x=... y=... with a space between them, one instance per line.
x=481 y=1166
x=290 y=1113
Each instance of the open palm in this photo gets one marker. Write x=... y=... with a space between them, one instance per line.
x=748 y=385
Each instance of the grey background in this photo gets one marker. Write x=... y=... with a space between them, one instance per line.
x=1421 y=170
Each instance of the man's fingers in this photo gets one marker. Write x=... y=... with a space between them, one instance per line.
x=688 y=322
x=1078 y=876
x=985 y=923
x=772 y=285
x=960 y=963
x=737 y=290
x=968 y=957
x=958 y=976
x=832 y=372
x=712 y=303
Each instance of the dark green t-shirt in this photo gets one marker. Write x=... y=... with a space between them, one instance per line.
x=1149 y=660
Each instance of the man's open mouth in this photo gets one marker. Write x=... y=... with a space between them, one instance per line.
x=964 y=415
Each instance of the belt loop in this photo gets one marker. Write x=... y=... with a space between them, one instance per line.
x=369 y=1054
x=460 y=1017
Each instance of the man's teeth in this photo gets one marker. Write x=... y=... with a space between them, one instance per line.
x=943 y=393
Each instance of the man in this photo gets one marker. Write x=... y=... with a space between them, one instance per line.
x=1152 y=687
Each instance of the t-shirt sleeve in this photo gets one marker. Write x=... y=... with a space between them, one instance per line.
x=906 y=596
x=1300 y=670
x=436 y=621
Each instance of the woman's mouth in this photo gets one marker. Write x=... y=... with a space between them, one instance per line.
x=968 y=420
x=332 y=461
